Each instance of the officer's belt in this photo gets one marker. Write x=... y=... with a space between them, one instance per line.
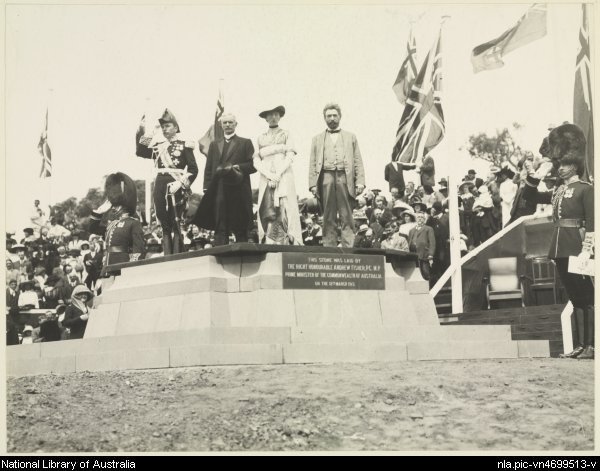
x=171 y=171
x=115 y=249
x=569 y=223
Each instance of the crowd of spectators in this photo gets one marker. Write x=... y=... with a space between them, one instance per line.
x=53 y=258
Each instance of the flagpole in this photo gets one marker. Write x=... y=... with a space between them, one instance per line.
x=49 y=184
x=454 y=220
x=148 y=179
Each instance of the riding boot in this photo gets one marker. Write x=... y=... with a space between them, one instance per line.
x=167 y=243
x=177 y=243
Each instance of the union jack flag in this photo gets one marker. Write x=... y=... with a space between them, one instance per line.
x=408 y=70
x=215 y=132
x=44 y=150
x=422 y=124
x=582 y=103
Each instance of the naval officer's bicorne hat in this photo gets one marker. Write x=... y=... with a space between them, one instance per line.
x=168 y=117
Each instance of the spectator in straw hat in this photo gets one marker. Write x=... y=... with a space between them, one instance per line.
x=364 y=237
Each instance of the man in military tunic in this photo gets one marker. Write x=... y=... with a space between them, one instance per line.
x=573 y=216
x=122 y=231
x=176 y=170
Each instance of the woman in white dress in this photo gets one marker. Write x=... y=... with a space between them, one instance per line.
x=278 y=215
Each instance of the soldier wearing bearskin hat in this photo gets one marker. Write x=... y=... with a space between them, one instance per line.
x=123 y=233
x=573 y=216
x=176 y=170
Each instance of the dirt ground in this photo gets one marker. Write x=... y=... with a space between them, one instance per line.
x=510 y=405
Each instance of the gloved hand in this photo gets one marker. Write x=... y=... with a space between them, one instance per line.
x=174 y=187
x=84 y=317
x=587 y=248
x=543 y=170
x=104 y=207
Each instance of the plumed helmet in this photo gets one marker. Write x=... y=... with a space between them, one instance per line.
x=120 y=190
x=567 y=146
x=168 y=117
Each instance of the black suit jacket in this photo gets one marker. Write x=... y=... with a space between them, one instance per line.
x=233 y=202
x=394 y=177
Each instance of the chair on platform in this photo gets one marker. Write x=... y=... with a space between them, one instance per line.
x=543 y=278
x=504 y=283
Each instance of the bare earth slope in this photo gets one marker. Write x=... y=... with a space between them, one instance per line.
x=540 y=404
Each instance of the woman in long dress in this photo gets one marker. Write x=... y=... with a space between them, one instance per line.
x=278 y=215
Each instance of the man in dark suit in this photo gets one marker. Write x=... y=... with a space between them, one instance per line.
x=421 y=239
x=227 y=203
x=12 y=313
x=393 y=174
x=439 y=222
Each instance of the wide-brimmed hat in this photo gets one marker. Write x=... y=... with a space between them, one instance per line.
x=363 y=228
x=399 y=207
x=443 y=183
x=410 y=212
x=507 y=171
x=467 y=183
x=16 y=248
x=419 y=206
x=278 y=109
x=28 y=230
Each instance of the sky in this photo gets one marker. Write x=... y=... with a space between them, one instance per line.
x=99 y=68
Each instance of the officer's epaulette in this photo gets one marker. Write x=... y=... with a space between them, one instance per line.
x=586 y=183
x=190 y=144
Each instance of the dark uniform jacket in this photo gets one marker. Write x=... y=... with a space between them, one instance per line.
x=238 y=210
x=123 y=235
x=182 y=157
x=574 y=202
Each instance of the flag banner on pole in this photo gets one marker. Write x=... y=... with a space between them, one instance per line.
x=530 y=27
x=422 y=124
x=44 y=150
x=408 y=70
x=215 y=132
x=582 y=103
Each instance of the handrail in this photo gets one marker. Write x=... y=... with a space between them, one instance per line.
x=452 y=268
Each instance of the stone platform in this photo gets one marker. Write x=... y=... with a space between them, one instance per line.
x=233 y=305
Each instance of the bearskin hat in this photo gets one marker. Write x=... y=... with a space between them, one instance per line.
x=168 y=117
x=567 y=146
x=120 y=190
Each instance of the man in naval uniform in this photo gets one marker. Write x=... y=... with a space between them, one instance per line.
x=176 y=170
x=336 y=172
x=573 y=216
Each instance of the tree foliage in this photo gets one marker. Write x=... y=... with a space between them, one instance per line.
x=497 y=149
x=77 y=211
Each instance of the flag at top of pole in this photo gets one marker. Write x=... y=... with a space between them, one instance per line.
x=582 y=103
x=215 y=132
x=44 y=150
x=531 y=26
x=422 y=124
x=408 y=70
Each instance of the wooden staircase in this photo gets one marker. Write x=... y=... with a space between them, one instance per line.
x=527 y=323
